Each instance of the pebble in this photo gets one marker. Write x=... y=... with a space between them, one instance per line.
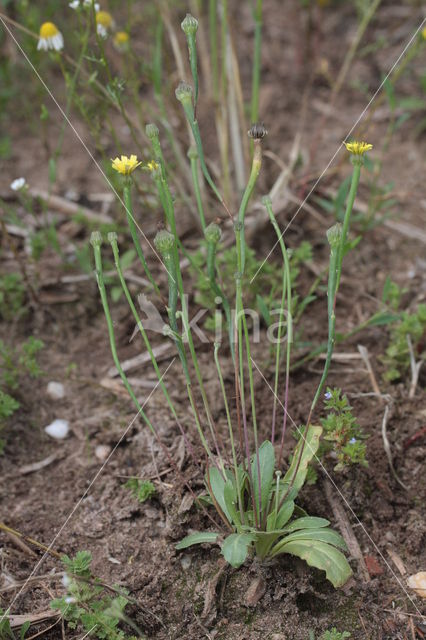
x=418 y=583
x=185 y=562
x=102 y=452
x=58 y=429
x=255 y=592
x=55 y=390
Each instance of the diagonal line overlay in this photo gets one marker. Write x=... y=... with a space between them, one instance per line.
x=74 y=509
x=80 y=139
x=374 y=96
x=340 y=493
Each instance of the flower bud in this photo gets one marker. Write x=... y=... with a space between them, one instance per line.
x=112 y=237
x=96 y=239
x=151 y=131
x=189 y=25
x=192 y=153
x=266 y=200
x=183 y=92
x=164 y=241
x=257 y=131
x=213 y=233
x=334 y=235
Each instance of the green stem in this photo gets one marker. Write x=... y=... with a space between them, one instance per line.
x=190 y=116
x=127 y=196
x=115 y=250
x=255 y=169
x=111 y=335
x=286 y=290
x=193 y=157
x=349 y=206
x=213 y=48
x=231 y=432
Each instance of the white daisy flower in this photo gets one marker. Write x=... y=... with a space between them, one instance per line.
x=104 y=23
x=50 y=37
x=18 y=184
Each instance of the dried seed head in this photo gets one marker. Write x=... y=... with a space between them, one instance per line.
x=183 y=91
x=213 y=233
x=189 y=25
x=151 y=131
x=334 y=235
x=257 y=131
x=96 y=239
x=164 y=241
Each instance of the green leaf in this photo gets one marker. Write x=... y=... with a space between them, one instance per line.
x=284 y=514
x=235 y=548
x=127 y=258
x=297 y=479
x=24 y=629
x=266 y=467
x=383 y=319
x=324 y=535
x=197 y=538
x=217 y=485
x=322 y=556
x=308 y=522
x=231 y=498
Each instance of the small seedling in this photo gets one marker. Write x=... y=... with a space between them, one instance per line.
x=142 y=490
x=88 y=603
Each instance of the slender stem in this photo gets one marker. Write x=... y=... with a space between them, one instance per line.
x=255 y=169
x=170 y=263
x=127 y=196
x=231 y=433
x=286 y=290
x=190 y=116
x=139 y=323
x=193 y=156
x=111 y=334
x=337 y=239
x=349 y=206
x=241 y=319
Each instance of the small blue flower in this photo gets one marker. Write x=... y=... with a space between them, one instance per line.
x=352 y=441
x=328 y=395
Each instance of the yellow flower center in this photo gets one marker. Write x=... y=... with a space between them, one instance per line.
x=48 y=30
x=152 y=165
x=104 y=18
x=125 y=165
x=121 y=37
x=358 y=148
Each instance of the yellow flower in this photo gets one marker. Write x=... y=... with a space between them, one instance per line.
x=424 y=33
x=121 y=40
x=50 y=37
x=358 y=148
x=125 y=165
x=153 y=166
x=104 y=22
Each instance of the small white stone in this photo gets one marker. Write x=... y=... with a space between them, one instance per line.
x=102 y=452
x=418 y=583
x=58 y=429
x=18 y=184
x=185 y=562
x=55 y=390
